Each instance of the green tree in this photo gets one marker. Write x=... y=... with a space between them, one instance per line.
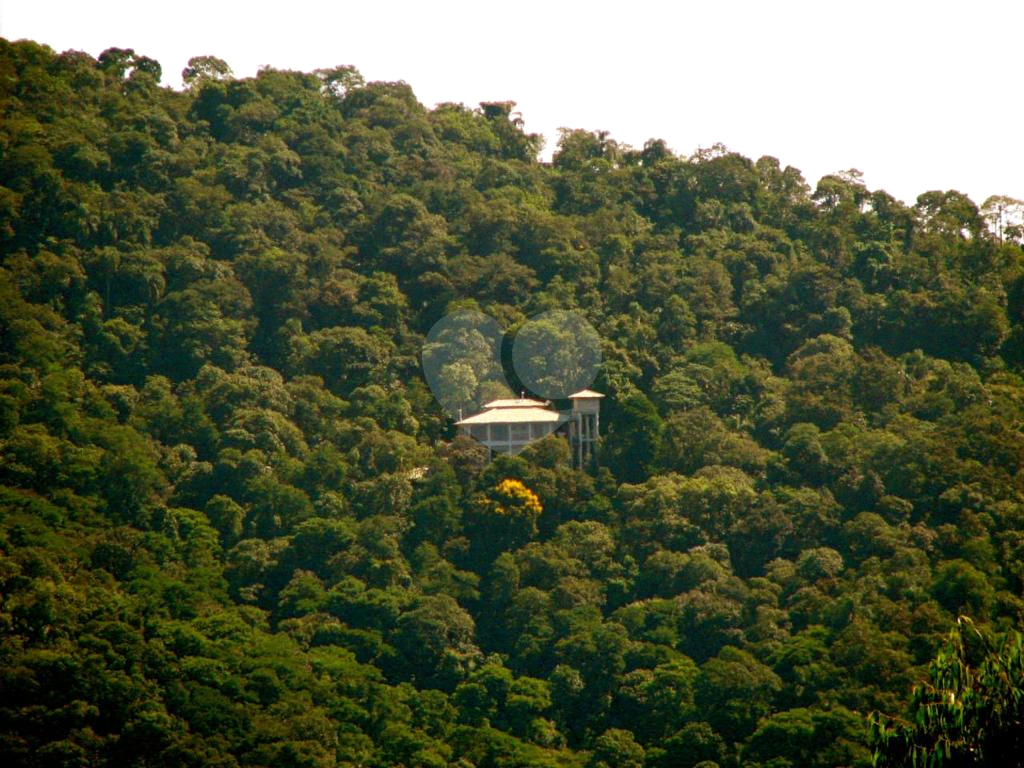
x=633 y=438
x=203 y=69
x=436 y=640
x=734 y=691
x=616 y=747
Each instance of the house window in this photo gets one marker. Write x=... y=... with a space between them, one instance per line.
x=479 y=431
x=539 y=429
x=520 y=433
x=499 y=431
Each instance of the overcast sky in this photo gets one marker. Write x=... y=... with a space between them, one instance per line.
x=916 y=95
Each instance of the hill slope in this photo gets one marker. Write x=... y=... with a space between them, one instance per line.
x=236 y=528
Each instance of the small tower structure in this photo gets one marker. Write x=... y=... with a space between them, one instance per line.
x=585 y=426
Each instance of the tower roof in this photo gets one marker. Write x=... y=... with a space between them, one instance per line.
x=584 y=394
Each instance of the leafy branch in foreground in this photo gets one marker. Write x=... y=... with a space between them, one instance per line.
x=969 y=712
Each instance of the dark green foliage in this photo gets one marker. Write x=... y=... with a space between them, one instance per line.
x=236 y=529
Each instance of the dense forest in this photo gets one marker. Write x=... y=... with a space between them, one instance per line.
x=237 y=528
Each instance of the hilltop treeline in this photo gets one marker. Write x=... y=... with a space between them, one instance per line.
x=237 y=529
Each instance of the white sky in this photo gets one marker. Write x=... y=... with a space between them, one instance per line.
x=917 y=95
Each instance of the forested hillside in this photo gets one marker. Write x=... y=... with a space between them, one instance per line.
x=237 y=529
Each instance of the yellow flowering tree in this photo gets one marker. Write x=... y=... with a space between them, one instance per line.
x=503 y=518
x=512 y=498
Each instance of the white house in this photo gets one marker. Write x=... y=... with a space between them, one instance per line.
x=508 y=426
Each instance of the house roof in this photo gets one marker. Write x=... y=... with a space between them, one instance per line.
x=518 y=402
x=584 y=393
x=513 y=415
